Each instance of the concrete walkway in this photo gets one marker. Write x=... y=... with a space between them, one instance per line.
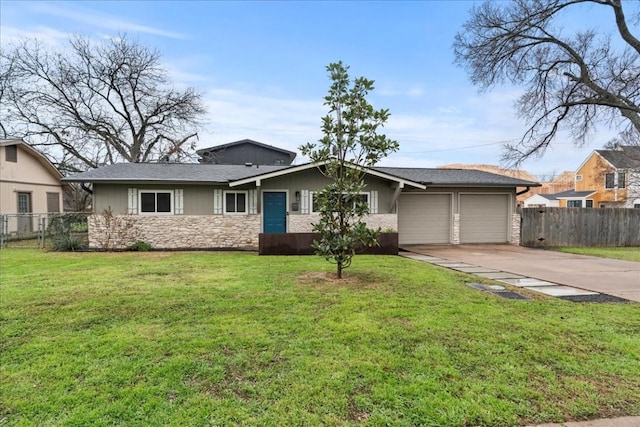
x=545 y=271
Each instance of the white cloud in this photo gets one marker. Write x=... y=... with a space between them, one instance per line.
x=415 y=91
x=102 y=20
x=47 y=35
x=471 y=131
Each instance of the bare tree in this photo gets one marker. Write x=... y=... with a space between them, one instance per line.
x=626 y=138
x=572 y=81
x=96 y=103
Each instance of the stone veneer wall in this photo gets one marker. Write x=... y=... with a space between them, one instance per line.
x=515 y=229
x=456 y=229
x=302 y=223
x=176 y=231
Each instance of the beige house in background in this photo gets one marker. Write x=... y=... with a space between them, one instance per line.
x=29 y=184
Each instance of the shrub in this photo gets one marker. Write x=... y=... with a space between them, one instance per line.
x=140 y=246
x=67 y=243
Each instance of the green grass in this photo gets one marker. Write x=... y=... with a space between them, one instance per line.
x=218 y=339
x=624 y=253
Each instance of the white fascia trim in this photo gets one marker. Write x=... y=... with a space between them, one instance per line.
x=307 y=166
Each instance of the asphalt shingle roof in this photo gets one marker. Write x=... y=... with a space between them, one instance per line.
x=627 y=157
x=171 y=172
x=212 y=173
x=468 y=177
x=573 y=193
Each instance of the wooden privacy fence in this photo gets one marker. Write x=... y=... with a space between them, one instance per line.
x=580 y=227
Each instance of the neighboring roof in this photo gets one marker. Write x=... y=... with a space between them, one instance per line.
x=514 y=173
x=291 y=154
x=35 y=153
x=626 y=157
x=574 y=194
x=563 y=178
x=171 y=172
x=457 y=177
x=545 y=196
x=371 y=171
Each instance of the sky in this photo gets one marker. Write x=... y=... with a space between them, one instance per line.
x=261 y=67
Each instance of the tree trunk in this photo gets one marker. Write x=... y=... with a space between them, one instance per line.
x=339 y=272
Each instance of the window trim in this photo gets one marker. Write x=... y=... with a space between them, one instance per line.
x=14 y=150
x=575 y=201
x=246 y=202
x=171 y=196
x=613 y=180
x=312 y=193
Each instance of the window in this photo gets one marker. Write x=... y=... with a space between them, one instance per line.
x=53 y=202
x=621 y=180
x=589 y=204
x=159 y=202
x=578 y=177
x=358 y=198
x=11 y=153
x=574 y=203
x=235 y=202
x=609 y=180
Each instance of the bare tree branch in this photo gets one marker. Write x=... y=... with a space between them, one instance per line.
x=572 y=81
x=95 y=103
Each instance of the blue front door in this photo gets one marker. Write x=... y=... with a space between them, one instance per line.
x=274 y=208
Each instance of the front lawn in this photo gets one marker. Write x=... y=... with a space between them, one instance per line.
x=624 y=253
x=190 y=339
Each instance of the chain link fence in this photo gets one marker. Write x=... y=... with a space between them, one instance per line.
x=55 y=231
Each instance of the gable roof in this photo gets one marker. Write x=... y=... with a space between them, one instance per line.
x=291 y=169
x=35 y=153
x=457 y=177
x=626 y=157
x=514 y=173
x=291 y=154
x=574 y=194
x=236 y=175
x=544 y=196
x=171 y=172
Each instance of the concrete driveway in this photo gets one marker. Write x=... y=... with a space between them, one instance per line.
x=608 y=276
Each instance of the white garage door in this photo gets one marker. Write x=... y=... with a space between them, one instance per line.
x=484 y=218
x=424 y=218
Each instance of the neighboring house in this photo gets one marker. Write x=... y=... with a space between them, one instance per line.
x=29 y=184
x=575 y=199
x=612 y=178
x=513 y=173
x=540 y=200
x=227 y=206
x=246 y=151
x=563 y=182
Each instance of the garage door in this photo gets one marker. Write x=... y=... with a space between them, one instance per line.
x=424 y=218
x=484 y=218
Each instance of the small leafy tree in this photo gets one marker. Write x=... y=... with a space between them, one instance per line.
x=350 y=145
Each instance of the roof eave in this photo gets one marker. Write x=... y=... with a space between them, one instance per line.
x=142 y=180
x=306 y=166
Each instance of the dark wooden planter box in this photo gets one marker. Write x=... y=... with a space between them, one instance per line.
x=300 y=244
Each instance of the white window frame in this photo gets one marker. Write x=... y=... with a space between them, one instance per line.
x=171 y=196
x=246 y=202
x=312 y=193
